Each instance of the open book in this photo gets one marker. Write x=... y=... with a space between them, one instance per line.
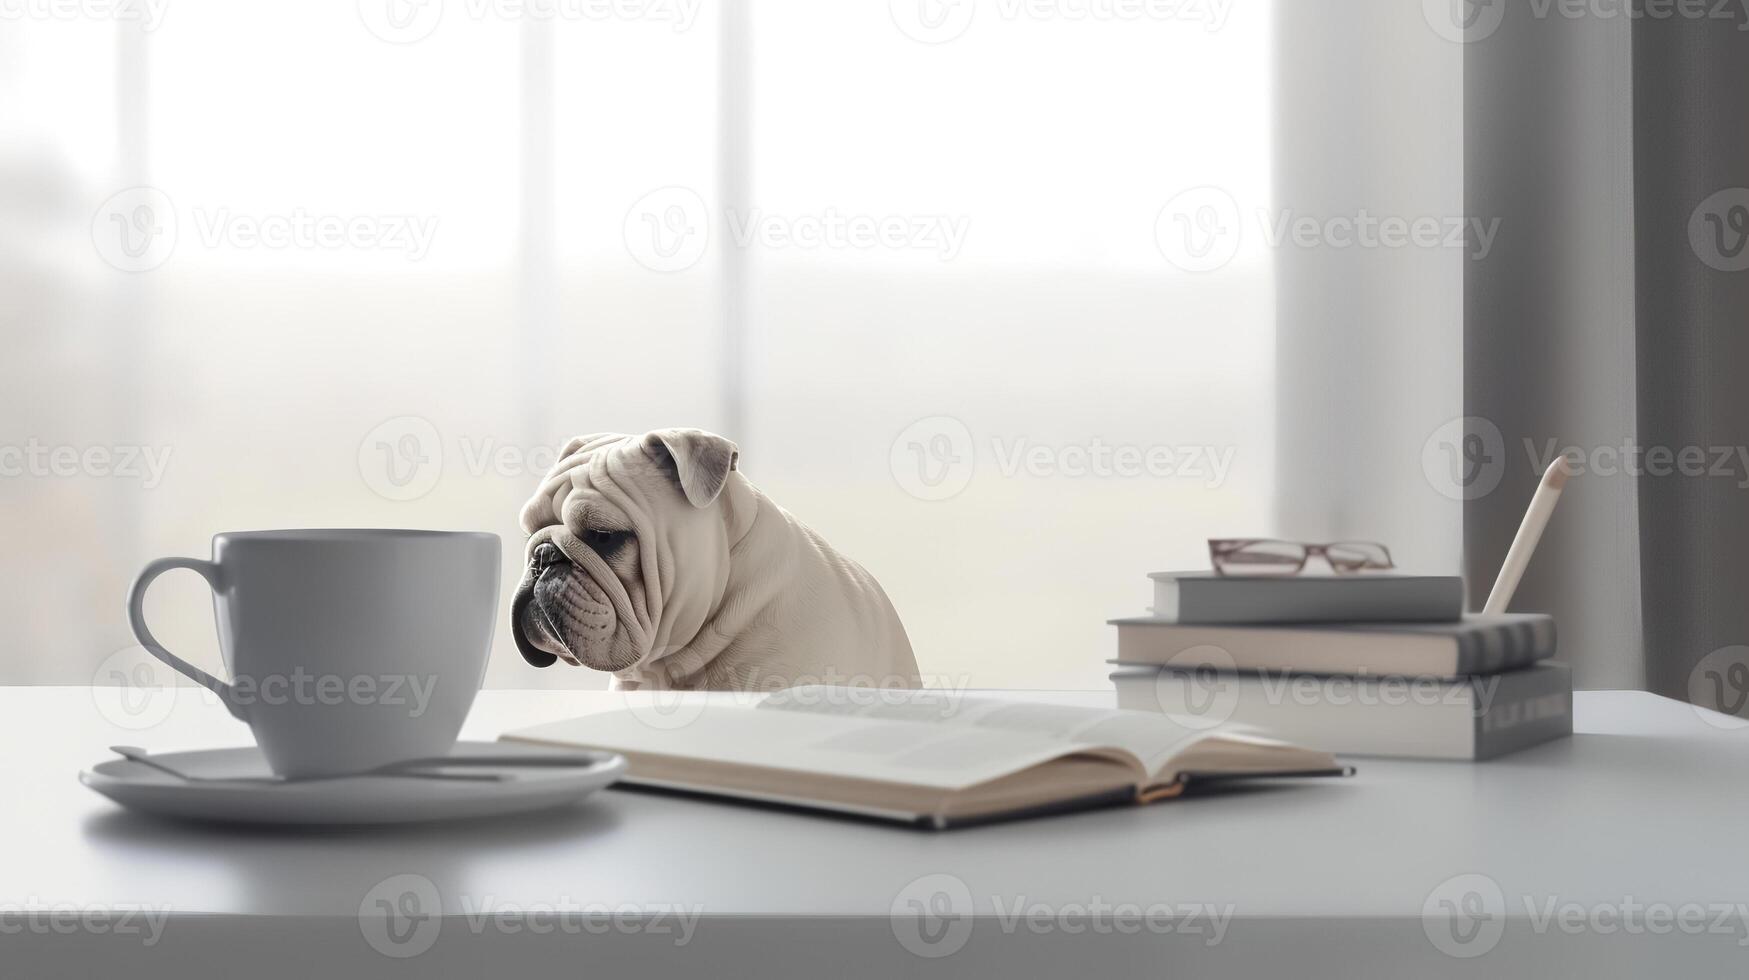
x=930 y=757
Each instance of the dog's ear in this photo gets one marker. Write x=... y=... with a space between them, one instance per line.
x=702 y=460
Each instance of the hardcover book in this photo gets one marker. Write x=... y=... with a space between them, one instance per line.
x=1478 y=644
x=1471 y=718
x=1205 y=598
x=927 y=757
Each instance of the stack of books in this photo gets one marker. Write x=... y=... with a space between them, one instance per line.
x=1383 y=665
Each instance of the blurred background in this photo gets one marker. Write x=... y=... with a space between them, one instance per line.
x=930 y=263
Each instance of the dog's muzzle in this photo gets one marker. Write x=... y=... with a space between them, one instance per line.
x=529 y=625
x=560 y=612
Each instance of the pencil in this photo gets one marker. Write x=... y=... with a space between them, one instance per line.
x=1542 y=505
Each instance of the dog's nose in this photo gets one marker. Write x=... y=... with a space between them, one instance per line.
x=546 y=555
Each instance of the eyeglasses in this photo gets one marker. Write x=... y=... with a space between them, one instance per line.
x=1264 y=556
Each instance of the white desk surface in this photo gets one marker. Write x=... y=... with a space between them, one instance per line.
x=1646 y=805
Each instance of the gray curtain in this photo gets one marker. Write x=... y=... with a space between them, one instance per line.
x=1549 y=324
x=1612 y=318
x=1691 y=168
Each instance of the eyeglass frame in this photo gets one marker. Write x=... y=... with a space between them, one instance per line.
x=1219 y=548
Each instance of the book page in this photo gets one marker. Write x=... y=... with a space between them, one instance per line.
x=1152 y=738
x=872 y=748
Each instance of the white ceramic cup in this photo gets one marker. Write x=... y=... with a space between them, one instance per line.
x=347 y=649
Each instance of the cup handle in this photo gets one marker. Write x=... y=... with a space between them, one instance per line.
x=137 y=618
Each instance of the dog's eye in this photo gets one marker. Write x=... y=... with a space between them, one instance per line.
x=604 y=541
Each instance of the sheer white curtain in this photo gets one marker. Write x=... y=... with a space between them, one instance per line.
x=1374 y=245
x=928 y=263
x=1055 y=331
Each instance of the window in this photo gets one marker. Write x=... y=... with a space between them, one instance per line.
x=908 y=254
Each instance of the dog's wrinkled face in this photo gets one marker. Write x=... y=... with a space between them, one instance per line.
x=613 y=511
x=565 y=612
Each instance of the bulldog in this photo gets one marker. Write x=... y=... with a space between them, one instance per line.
x=652 y=558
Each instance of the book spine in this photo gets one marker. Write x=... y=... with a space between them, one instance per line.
x=1516 y=711
x=1505 y=646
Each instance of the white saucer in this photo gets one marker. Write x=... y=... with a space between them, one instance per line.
x=345 y=800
